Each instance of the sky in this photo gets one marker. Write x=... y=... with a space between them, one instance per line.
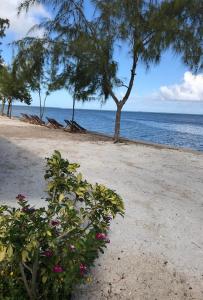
x=168 y=87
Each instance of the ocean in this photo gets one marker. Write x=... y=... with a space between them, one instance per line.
x=179 y=130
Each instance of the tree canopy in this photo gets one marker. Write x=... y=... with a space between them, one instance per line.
x=4 y=23
x=85 y=46
x=33 y=62
x=13 y=87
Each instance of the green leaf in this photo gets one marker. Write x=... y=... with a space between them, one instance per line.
x=2 y=253
x=9 y=251
x=49 y=233
x=61 y=197
x=44 y=279
x=25 y=255
x=79 y=177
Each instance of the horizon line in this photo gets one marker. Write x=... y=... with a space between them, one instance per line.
x=111 y=110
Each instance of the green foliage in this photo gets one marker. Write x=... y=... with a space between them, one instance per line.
x=13 y=87
x=33 y=64
x=45 y=252
x=30 y=60
x=4 y=23
x=85 y=47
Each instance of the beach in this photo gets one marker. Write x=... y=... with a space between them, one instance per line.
x=156 y=250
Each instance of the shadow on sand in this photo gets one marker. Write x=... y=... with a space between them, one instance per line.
x=20 y=172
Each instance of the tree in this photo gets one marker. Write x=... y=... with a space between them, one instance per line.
x=12 y=88
x=33 y=63
x=145 y=28
x=4 y=23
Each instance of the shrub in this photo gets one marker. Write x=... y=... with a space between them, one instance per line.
x=45 y=252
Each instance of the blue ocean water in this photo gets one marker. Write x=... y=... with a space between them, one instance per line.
x=179 y=130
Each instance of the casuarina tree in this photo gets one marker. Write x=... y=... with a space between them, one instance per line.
x=12 y=88
x=4 y=23
x=145 y=29
x=33 y=63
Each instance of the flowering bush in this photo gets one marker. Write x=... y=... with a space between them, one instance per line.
x=45 y=252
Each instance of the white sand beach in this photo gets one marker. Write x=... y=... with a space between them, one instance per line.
x=156 y=251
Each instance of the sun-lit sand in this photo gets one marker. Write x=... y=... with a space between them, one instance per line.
x=156 y=251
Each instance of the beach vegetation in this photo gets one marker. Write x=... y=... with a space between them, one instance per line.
x=86 y=42
x=45 y=252
x=12 y=88
x=4 y=24
x=33 y=62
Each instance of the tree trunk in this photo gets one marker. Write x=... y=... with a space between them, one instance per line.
x=43 y=108
x=8 y=108
x=117 y=123
x=73 y=114
x=10 y=112
x=3 y=106
x=40 y=104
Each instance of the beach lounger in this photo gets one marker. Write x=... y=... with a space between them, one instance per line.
x=33 y=120
x=54 y=124
x=29 y=119
x=74 y=126
x=79 y=127
x=25 y=118
x=68 y=126
x=37 y=120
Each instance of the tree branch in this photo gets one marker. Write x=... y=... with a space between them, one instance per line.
x=28 y=268
x=134 y=65
x=148 y=38
x=113 y=95
x=124 y=85
x=34 y=274
x=25 y=281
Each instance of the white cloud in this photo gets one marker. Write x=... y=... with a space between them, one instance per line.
x=20 y=25
x=191 y=88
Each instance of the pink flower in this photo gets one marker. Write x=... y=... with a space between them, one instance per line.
x=108 y=218
x=83 y=269
x=55 y=222
x=28 y=209
x=57 y=269
x=47 y=253
x=25 y=209
x=100 y=236
x=20 y=197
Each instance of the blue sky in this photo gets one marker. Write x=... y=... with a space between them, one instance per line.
x=168 y=87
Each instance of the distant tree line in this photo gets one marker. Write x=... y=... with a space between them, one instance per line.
x=4 y=23
x=12 y=85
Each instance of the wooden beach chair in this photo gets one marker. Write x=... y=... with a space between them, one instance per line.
x=33 y=120
x=82 y=129
x=28 y=118
x=54 y=124
x=68 y=125
x=25 y=118
x=74 y=127
x=38 y=121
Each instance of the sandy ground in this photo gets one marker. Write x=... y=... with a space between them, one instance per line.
x=156 y=251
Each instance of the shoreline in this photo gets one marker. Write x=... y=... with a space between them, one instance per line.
x=148 y=144
x=156 y=250
x=140 y=142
